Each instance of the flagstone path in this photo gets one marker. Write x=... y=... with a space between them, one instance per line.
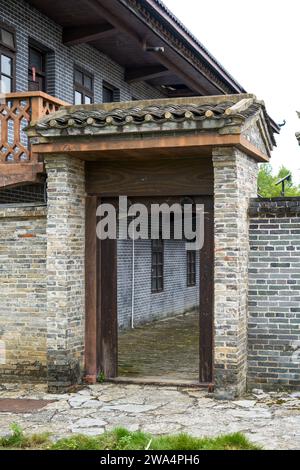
x=272 y=420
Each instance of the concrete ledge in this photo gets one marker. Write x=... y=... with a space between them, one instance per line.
x=23 y=211
x=279 y=207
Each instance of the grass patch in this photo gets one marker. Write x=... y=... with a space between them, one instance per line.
x=18 y=440
x=121 y=439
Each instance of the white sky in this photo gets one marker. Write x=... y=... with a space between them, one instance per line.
x=258 y=42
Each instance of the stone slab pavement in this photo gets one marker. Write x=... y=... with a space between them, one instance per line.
x=269 y=419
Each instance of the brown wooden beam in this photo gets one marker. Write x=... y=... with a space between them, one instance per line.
x=99 y=9
x=84 y=34
x=91 y=276
x=107 y=144
x=107 y=329
x=13 y=174
x=179 y=93
x=206 y=318
x=145 y=73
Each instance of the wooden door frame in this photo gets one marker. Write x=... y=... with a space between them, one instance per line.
x=101 y=329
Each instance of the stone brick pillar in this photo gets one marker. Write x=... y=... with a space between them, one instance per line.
x=235 y=181
x=65 y=270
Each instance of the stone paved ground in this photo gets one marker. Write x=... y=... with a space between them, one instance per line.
x=166 y=349
x=272 y=420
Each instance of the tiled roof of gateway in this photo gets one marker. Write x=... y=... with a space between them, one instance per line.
x=123 y=116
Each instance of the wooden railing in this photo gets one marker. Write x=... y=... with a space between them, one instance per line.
x=17 y=110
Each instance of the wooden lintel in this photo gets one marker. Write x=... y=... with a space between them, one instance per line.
x=104 y=144
x=83 y=34
x=18 y=173
x=145 y=73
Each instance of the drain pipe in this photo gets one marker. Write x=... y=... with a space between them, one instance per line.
x=133 y=282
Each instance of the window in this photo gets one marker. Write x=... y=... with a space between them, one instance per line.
x=7 y=59
x=37 y=69
x=110 y=94
x=157 y=271
x=191 y=268
x=83 y=87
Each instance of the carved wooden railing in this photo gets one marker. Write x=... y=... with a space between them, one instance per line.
x=17 y=163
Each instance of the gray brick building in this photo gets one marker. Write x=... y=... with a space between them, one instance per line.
x=34 y=29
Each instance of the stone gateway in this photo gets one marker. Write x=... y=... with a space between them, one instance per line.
x=84 y=122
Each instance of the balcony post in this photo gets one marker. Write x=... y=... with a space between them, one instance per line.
x=36 y=108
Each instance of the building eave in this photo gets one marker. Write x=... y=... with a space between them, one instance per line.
x=195 y=44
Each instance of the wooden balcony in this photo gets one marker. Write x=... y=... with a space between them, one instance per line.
x=18 y=164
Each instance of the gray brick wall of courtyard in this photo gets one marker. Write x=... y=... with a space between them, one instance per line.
x=274 y=293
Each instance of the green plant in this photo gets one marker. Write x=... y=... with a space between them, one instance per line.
x=18 y=440
x=267 y=182
x=122 y=439
x=101 y=377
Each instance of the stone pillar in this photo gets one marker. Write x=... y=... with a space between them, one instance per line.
x=235 y=181
x=65 y=271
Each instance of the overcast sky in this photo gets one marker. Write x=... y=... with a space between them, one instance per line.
x=258 y=43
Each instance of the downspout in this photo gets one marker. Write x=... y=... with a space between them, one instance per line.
x=133 y=282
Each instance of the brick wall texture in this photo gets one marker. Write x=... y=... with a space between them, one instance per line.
x=274 y=293
x=176 y=297
x=23 y=299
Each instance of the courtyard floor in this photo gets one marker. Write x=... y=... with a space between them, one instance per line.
x=271 y=420
x=161 y=350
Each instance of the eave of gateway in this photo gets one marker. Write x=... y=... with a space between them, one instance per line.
x=230 y=120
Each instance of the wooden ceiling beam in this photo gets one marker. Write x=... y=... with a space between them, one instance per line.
x=83 y=34
x=161 y=57
x=118 y=23
x=179 y=93
x=145 y=73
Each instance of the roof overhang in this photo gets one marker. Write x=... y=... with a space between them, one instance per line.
x=145 y=38
x=189 y=124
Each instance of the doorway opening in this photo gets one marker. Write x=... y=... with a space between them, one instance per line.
x=154 y=321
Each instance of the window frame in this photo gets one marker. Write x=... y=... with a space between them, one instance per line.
x=9 y=52
x=79 y=87
x=191 y=268
x=112 y=89
x=41 y=72
x=157 y=266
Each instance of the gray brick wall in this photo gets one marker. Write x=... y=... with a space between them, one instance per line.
x=176 y=297
x=23 y=299
x=274 y=293
x=31 y=24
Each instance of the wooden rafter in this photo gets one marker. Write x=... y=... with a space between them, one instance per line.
x=83 y=34
x=145 y=73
